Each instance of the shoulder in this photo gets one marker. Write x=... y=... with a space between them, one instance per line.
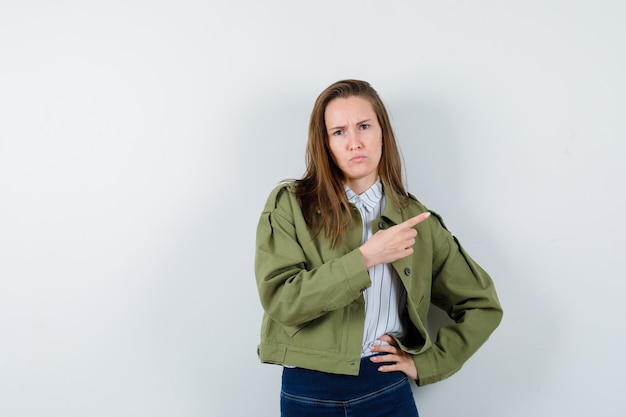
x=283 y=195
x=416 y=207
x=415 y=204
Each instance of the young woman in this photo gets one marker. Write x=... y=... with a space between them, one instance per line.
x=347 y=266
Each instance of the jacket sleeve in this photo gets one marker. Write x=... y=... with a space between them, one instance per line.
x=291 y=292
x=466 y=292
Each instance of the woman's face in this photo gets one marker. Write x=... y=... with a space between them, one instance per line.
x=355 y=140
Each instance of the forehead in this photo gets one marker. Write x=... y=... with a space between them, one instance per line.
x=349 y=109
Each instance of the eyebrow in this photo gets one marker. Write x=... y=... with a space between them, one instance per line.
x=343 y=127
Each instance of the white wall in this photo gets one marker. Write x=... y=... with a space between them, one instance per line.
x=139 y=139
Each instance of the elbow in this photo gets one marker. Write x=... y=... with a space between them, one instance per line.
x=280 y=311
x=284 y=317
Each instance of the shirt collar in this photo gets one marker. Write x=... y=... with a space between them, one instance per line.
x=369 y=199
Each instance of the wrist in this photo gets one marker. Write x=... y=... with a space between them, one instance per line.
x=366 y=259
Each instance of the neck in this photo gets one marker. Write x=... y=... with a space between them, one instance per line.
x=361 y=185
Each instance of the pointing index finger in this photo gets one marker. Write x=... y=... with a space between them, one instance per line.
x=414 y=221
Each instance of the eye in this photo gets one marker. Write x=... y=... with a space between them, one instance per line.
x=364 y=126
x=337 y=132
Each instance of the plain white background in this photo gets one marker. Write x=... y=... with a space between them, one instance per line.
x=139 y=140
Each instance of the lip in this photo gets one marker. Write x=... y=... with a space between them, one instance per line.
x=357 y=158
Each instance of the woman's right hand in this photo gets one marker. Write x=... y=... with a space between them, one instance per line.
x=389 y=245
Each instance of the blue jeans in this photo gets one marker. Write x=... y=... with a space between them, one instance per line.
x=307 y=393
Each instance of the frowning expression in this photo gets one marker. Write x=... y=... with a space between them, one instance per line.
x=355 y=140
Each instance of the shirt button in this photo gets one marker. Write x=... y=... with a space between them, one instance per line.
x=382 y=225
x=407 y=271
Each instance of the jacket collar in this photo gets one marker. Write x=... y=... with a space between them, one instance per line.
x=392 y=212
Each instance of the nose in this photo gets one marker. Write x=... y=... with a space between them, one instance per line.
x=354 y=143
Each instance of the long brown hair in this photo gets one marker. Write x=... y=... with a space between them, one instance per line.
x=320 y=192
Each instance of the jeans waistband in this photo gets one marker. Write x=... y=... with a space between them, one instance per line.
x=327 y=386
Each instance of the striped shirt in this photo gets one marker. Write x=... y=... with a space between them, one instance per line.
x=385 y=300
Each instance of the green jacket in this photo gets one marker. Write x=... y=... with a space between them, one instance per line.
x=312 y=293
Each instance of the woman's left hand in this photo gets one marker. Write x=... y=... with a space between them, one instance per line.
x=402 y=361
